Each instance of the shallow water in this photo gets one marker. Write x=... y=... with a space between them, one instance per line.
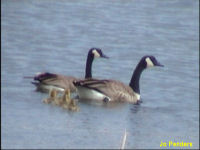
x=55 y=36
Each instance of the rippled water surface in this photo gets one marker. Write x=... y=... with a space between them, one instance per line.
x=55 y=36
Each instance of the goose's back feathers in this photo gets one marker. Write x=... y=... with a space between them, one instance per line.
x=50 y=80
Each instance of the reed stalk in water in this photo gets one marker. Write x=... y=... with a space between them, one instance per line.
x=123 y=140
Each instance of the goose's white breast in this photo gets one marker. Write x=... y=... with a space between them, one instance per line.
x=85 y=93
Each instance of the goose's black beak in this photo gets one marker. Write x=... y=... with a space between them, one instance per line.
x=159 y=64
x=104 y=56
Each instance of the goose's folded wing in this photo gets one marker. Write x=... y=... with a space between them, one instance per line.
x=107 y=87
x=92 y=83
x=45 y=76
x=56 y=80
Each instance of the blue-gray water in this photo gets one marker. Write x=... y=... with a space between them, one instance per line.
x=55 y=36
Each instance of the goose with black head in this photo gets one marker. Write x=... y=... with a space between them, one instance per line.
x=44 y=82
x=112 y=90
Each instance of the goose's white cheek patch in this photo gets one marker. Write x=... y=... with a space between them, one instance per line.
x=149 y=62
x=96 y=54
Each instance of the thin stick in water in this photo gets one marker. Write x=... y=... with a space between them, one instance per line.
x=123 y=140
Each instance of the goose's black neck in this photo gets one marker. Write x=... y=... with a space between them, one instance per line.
x=134 y=83
x=88 y=69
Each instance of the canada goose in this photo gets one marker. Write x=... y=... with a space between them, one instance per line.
x=73 y=106
x=46 y=81
x=69 y=103
x=67 y=97
x=63 y=101
x=112 y=90
x=52 y=96
x=60 y=100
